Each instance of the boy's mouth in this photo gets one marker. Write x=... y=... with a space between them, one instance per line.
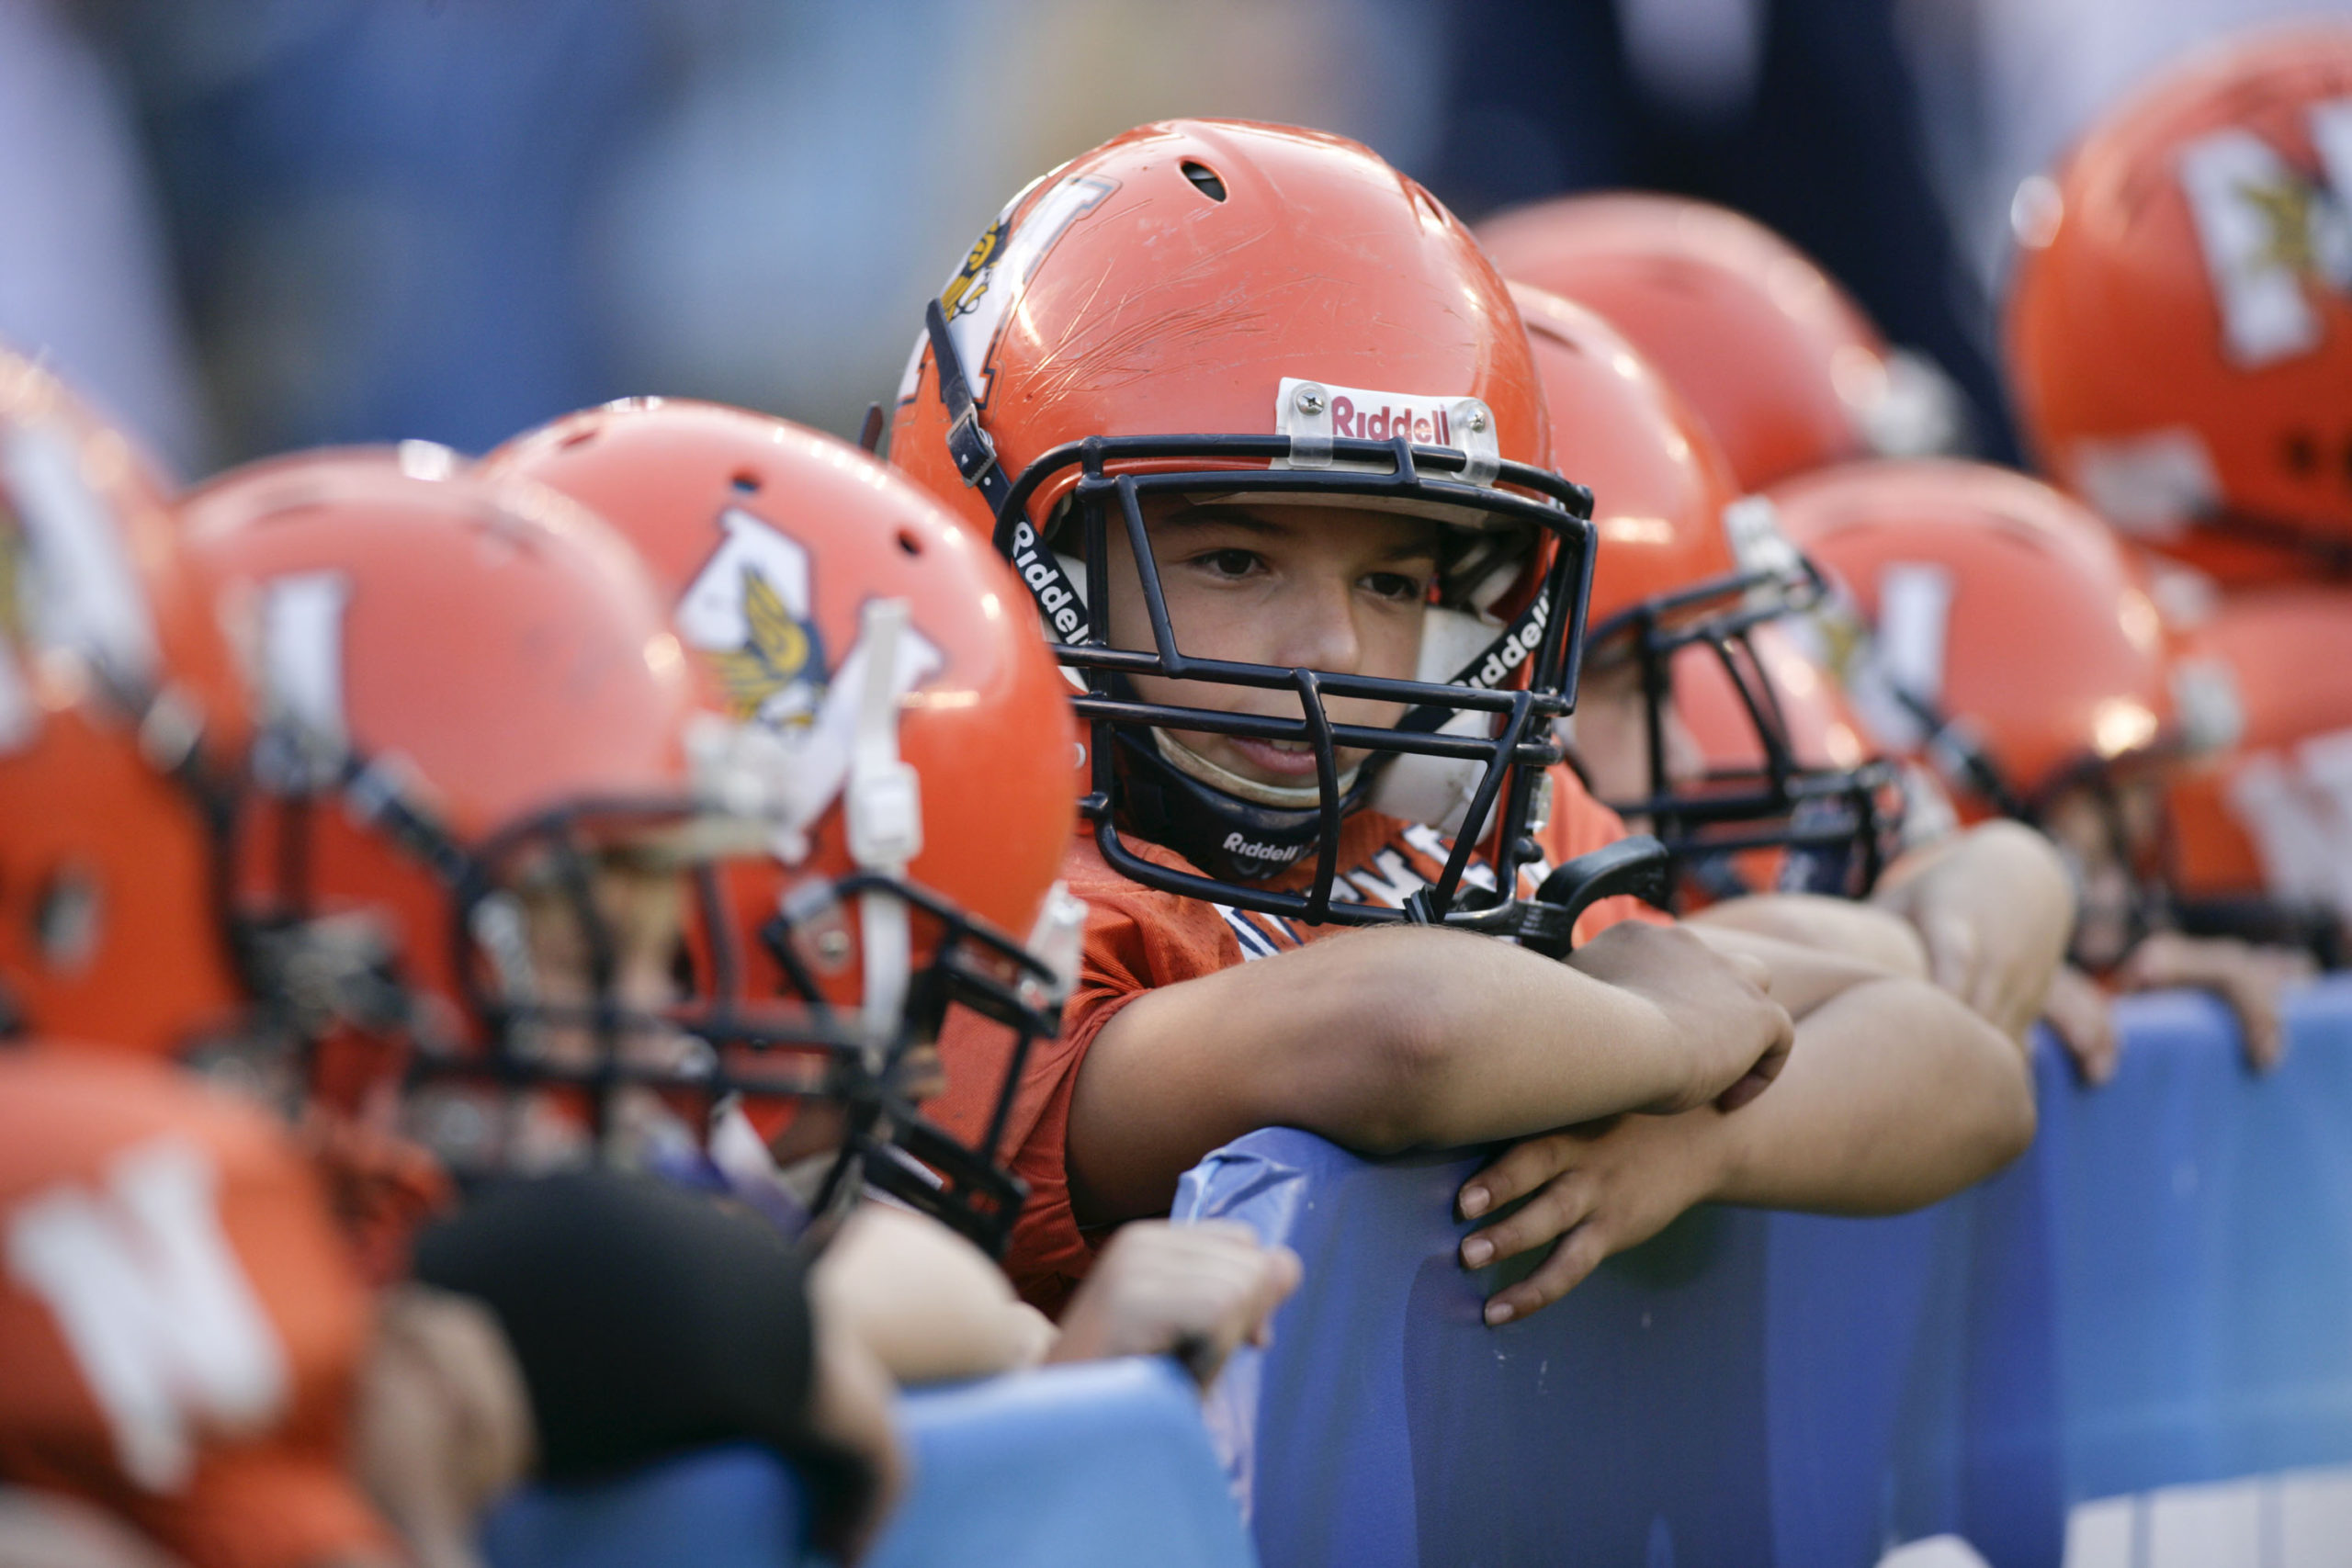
x=1283 y=760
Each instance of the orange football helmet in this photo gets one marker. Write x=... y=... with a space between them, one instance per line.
x=473 y=701
x=767 y=540
x=1775 y=356
x=1175 y=313
x=180 y=1329
x=120 y=716
x=2179 y=325
x=2016 y=646
x=1685 y=578
x=2262 y=835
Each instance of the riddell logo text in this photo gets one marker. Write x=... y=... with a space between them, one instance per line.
x=1285 y=853
x=1423 y=427
x=1512 y=650
x=1046 y=584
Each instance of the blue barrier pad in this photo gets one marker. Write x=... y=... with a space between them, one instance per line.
x=1105 y=1462
x=735 y=1506
x=1088 y=1464
x=2159 y=1293
x=2201 y=1238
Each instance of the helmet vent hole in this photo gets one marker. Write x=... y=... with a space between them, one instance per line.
x=909 y=543
x=1204 y=179
x=578 y=438
x=747 y=482
x=2301 y=452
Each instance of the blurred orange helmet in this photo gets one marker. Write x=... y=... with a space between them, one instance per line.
x=1783 y=367
x=180 y=1331
x=2180 y=323
x=2273 y=816
x=1265 y=315
x=1688 y=582
x=471 y=692
x=118 y=707
x=2016 y=646
x=769 y=541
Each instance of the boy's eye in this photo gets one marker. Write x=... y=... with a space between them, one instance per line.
x=1228 y=563
x=1397 y=585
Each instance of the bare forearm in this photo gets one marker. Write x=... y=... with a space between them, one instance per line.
x=1381 y=1041
x=1805 y=976
x=1479 y=1040
x=1841 y=926
x=1894 y=1096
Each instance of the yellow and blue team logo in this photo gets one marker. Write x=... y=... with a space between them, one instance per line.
x=749 y=612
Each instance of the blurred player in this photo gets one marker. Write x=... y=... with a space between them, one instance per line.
x=1703 y=717
x=122 y=724
x=2180 y=321
x=767 y=539
x=1267 y=614
x=2177 y=338
x=181 y=1334
x=2031 y=667
x=1778 y=361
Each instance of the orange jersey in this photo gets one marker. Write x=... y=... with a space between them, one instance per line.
x=180 y=1329
x=1138 y=939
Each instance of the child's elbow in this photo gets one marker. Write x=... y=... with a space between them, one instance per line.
x=1386 y=1081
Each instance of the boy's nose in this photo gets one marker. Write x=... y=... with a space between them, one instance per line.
x=1318 y=629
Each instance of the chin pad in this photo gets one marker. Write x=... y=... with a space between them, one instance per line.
x=1437 y=790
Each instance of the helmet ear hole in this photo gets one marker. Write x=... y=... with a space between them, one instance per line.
x=1205 y=179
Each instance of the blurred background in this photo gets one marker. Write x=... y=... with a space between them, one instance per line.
x=245 y=225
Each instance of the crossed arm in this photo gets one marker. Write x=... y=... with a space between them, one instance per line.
x=1894 y=1095
x=1395 y=1039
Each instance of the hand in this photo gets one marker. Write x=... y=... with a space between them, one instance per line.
x=2079 y=1013
x=1596 y=1190
x=1195 y=1290
x=1737 y=1037
x=443 y=1421
x=2249 y=978
x=926 y=1302
x=1992 y=909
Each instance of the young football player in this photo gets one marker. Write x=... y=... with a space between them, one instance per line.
x=1702 y=618
x=2036 y=673
x=767 y=540
x=1778 y=362
x=2179 y=342
x=1255 y=421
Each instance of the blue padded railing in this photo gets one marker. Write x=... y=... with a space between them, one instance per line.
x=2159 y=1293
x=1068 y=1467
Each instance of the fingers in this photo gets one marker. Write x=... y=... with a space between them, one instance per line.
x=1526 y=1166
x=1194 y=1291
x=1563 y=1204
x=1235 y=1305
x=2256 y=1005
x=2077 y=1012
x=1764 y=1069
x=1278 y=1278
x=2088 y=1038
x=1576 y=1256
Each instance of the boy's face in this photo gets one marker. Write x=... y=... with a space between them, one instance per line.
x=2106 y=840
x=1322 y=588
x=1612 y=735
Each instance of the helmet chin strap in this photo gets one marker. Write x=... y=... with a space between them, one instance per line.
x=1281 y=797
x=885 y=811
